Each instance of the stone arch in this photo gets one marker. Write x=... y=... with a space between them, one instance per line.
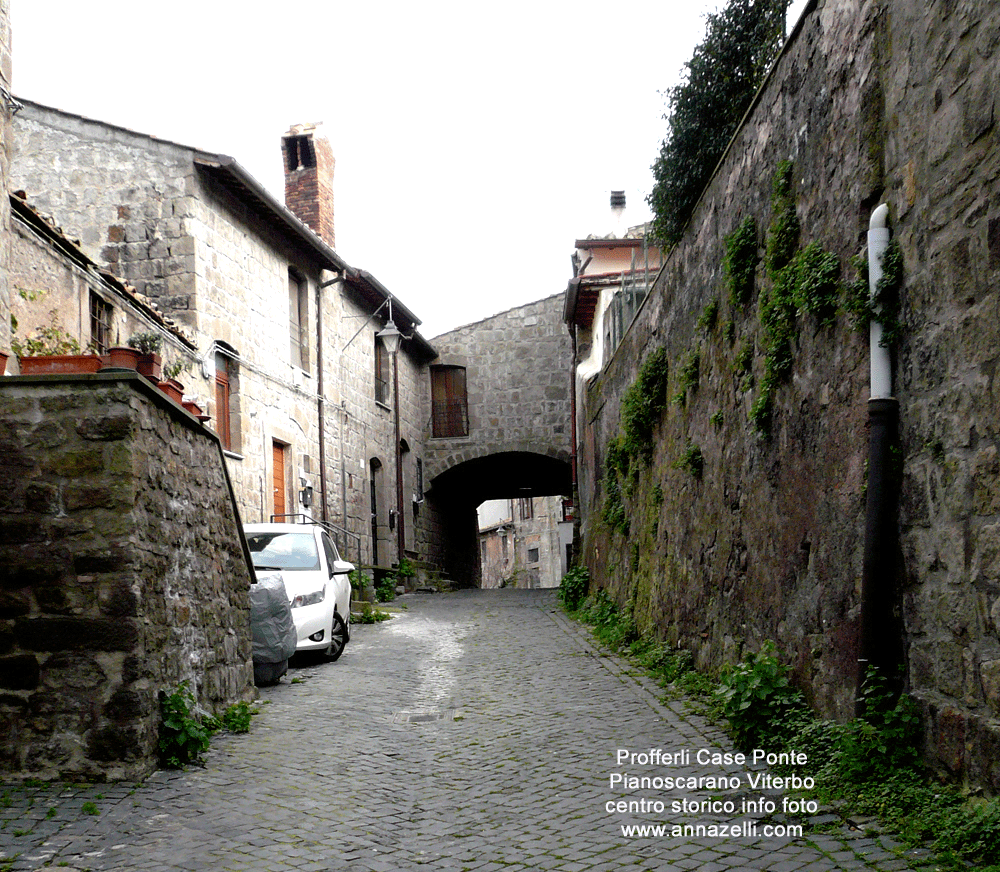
x=440 y=462
x=458 y=490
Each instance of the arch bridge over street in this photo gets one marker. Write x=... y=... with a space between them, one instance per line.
x=500 y=422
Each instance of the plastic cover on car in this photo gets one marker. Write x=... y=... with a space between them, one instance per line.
x=274 y=636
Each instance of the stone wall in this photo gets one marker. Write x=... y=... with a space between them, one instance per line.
x=122 y=573
x=126 y=197
x=871 y=101
x=5 y=150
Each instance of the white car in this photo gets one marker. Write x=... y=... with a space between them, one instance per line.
x=315 y=578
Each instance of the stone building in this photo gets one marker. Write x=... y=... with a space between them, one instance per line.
x=499 y=421
x=525 y=542
x=58 y=289
x=285 y=350
x=611 y=277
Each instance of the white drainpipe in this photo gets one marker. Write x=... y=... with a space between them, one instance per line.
x=881 y=359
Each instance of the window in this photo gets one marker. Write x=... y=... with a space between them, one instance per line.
x=532 y=555
x=525 y=508
x=382 y=372
x=298 y=320
x=100 y=323
x=449 y=401
x=227 y=400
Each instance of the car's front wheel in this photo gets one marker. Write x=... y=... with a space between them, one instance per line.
x=339 y=635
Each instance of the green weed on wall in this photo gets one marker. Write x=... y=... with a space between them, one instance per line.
x=632 y=449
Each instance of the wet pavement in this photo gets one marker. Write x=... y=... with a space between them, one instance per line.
x=478 y=730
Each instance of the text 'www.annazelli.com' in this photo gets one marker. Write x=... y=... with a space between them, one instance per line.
x=741 y=830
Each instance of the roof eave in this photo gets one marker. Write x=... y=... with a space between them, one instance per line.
x=232 y=172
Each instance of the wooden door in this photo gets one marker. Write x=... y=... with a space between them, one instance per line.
x=278 y=452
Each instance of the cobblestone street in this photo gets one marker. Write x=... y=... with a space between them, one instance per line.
x=475 y=731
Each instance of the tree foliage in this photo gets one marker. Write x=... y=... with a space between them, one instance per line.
x=720 y=80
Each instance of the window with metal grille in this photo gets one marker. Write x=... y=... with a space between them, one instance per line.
x=382 y=372
x=100 y=323
x=532 y=555
x=449 y=401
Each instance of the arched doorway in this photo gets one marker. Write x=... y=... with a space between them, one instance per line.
x=376 y=486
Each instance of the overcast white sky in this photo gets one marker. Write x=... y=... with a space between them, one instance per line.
x=474 y=141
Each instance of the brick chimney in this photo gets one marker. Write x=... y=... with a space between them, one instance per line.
x=308 y=161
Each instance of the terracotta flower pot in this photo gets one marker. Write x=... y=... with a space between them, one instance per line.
x=123 y=357
x=60 y=363
x=193 y=408
x=150 y=365
x=173 y=389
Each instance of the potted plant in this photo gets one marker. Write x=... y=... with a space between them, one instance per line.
x=121 y=357
x=170 y=386
x=50 y=349
x=148 y=345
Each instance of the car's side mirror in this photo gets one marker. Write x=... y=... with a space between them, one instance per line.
x=341 y=567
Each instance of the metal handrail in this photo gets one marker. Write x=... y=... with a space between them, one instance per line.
x=339 y=534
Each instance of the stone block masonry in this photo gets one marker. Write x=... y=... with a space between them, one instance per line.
x=871 y=102
x=122 y=573
x=517 y=365
x=5 y=146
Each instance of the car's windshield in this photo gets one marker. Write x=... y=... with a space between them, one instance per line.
x=291 y=551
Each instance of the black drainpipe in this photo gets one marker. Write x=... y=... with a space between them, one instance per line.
x=879 y=645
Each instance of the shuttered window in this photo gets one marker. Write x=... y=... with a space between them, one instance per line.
x=222 y=421
x=298 y=320
x=449 y=401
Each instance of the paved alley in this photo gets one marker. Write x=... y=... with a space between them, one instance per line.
x=476 y=731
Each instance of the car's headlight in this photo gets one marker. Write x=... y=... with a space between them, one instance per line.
x=309 y=599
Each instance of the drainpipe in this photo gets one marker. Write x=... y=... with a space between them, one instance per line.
x=400 y=518
x=575 y=493
x=321 y=401
x=877 y=581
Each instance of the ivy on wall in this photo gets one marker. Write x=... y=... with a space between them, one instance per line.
x=797 y=282
x=632 y=449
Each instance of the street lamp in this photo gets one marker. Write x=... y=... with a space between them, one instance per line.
x=391 y=337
